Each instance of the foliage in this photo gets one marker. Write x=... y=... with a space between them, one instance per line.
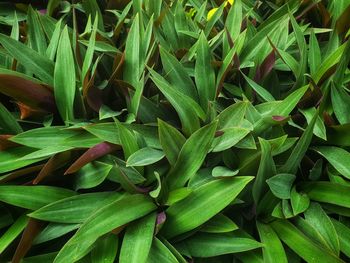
x=175 y=131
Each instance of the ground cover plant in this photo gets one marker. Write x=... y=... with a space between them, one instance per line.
x=175 y=131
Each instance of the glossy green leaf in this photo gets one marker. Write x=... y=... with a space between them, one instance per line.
x=171 y=140
x=103 y=221
x=328 y=192
x=202 y=204
x=32 y=197
x=32 y=60
x=160 y=253
x=210 y=245
x=187 y=109
x=281 y=185
x=137 y=240
x=187 y=163
x=12 y=232
x=318 y=218
x=222 y=171
x=272 y=246
x=64 y=77
x=74 y=209
x=105 y=250
x=302 y=245
x=219 y=224
x=145 y=156
x=337 y=157
x=204 y=73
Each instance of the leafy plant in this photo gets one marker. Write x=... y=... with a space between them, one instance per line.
x=175 y=131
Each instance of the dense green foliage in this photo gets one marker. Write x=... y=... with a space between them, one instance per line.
x=175 y=131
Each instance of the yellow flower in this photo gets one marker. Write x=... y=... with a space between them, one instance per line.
x=213 y=11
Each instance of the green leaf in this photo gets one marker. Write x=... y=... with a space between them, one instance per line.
x=11 y=159
x=52 y=48
x=230 y=137
x=337 y=157
x=171 y=140
x=187 y=109
x=299 y=201
x=344 y=236
x=132 y=69
x=316 y=217
x=327 y=192
x=204 y=73
x=75 y=209
x=105 y=249
x=262 y=92
x=138 y=240
x=64 y=78
x=90 y=51
x=281 y=185
x=292 y=164
x=37 y=40
x=222 y=171
x=272 y=246
x=13 y=232
x=45 y=137
x=32 y=60
x=340 y=102
x=128 y=140
x=187 y=163
x=32 y=197
x=8 y=123
x=177 y=75
x=319 y=128
x=160 y=253
x=144 y=156
x=91 y=175
x=177 y=195
x=314 y=53
x=53 y=231
x=266 y=170
x=103 y=221
x=219 y=224
x=301 y=244
x=211 y=245
x=202 y=204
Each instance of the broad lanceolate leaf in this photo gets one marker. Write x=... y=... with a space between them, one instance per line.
x=137 y=240
x=301 y=244
x=105 y=250
x=266 y=170
x=29 y=58
x=144 y=156
x=12 y=232
x=32 y=197
x=211 y=245
x=343 y=232
x=191 y=156
x=75 y=209
x=188 y=110
x=292 y=164
x=281 y=185
x=328 y=192
x=103 y=221
x=8 y=123
x=160 y=253
x=202 y=204
x=64 y=78
x=318 y=218
x=340 y=103
x=171 y=140
x=337 y=157
x=272 y=246
x=204 y=73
